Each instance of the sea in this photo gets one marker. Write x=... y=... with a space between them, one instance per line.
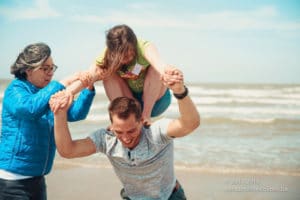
x=246 y=128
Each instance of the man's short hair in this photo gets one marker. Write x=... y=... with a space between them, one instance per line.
x=123 y=107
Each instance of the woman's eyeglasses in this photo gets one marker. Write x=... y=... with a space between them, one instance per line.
x=49 y=69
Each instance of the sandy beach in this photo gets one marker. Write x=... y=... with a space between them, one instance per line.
x=68 y=180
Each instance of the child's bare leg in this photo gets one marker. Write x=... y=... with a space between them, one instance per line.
x=115 y=87
x=153 y=91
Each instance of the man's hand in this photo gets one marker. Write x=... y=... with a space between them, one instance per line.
x=61 y=101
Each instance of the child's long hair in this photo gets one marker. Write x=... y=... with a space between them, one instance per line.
x=120 y=40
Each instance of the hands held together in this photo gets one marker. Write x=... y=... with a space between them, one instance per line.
x=173 y=79
x=61 y=101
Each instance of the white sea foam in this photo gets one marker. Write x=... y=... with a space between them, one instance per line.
x=242 y=111
x=216 y=120
x=227 y=100
x=234 y=92
x=99 y=106
x=249 y=111
x=246 y=92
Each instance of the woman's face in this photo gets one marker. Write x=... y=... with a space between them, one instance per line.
x=41 y=76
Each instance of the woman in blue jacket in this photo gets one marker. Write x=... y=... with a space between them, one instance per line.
x=27 y=143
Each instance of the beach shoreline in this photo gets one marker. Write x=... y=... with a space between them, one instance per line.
x=71 y=181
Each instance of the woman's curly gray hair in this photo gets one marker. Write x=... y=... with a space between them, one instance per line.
x=32 y=56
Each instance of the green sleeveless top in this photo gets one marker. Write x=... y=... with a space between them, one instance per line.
x=134 y=73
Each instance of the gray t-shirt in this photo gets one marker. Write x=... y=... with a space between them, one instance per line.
x=147 y=171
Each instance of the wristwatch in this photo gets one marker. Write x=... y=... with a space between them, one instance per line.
x=182 y=95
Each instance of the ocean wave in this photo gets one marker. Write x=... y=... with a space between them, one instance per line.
x=219 y=113
x=247 y=92
x=100 y=106
x=242 y=112
x=251 y=110
x=279 y=121
x=236 y=100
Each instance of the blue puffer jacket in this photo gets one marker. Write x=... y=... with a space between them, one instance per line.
x=27 y=145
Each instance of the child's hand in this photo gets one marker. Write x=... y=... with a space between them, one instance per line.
x=173 y=79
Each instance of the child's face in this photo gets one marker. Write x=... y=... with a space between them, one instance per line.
x=128 y=57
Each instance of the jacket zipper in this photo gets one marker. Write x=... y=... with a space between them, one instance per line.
x=47 y=158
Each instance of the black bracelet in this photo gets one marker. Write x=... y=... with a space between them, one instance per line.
x=182 y=95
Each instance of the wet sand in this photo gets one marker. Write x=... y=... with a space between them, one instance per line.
x=70 y=181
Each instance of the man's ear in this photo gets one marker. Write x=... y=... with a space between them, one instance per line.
x=109 y=128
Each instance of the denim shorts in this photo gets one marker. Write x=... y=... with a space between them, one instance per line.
x=160 y=105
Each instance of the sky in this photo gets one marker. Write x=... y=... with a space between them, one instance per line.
x=218 y=41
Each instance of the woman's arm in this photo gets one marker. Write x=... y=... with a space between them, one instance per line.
x=81 y=106
x=20 y=101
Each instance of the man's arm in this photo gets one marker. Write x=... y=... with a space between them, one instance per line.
x=67 y=147
x=189 y=118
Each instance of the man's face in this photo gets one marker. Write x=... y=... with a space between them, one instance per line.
x=128 y=131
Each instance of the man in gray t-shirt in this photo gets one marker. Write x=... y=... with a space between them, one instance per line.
x=141 y=157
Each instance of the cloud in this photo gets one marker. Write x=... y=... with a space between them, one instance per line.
x=261 y=18
x=39 y=10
